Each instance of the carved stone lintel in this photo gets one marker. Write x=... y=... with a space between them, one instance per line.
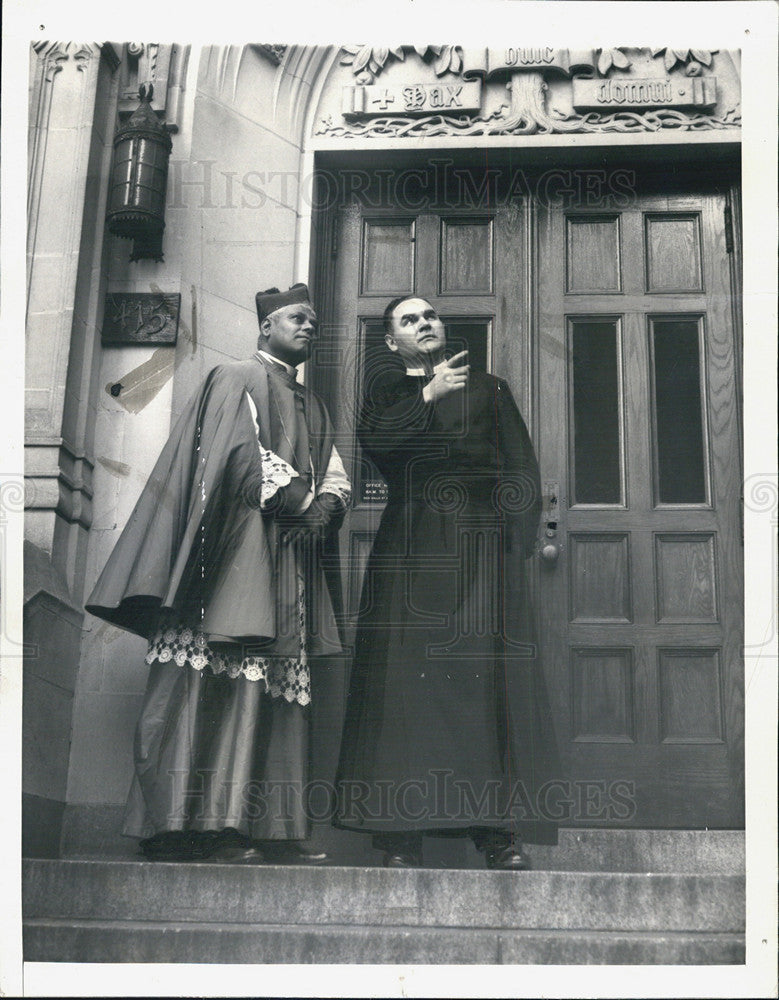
x=528 y=102
x=487 y=63
x=640 y=94
x=415 y=128
x=692 y=57
x=652 y=121
x=602 y=101
x=507 y=122
x=415 y=99
x=526 y=115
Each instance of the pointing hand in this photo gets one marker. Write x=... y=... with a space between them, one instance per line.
x=448 y=376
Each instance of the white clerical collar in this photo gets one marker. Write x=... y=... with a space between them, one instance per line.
x=277 y=361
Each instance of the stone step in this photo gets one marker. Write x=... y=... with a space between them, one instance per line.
x=720 y=852
x=285 y=895
x=716 y=852
x=94 y=833
x=47 y=940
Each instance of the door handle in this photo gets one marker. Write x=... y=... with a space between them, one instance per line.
x=549 y=549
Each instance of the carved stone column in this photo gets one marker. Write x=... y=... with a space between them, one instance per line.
x=63 y=105
x=71 y=111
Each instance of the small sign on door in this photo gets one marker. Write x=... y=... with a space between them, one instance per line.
x=374 y=491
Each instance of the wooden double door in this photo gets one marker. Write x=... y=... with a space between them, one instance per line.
x=612 y=319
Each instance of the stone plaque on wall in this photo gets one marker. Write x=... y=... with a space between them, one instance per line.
x=420 y=98
x=665 y=92
x=141 y=318
x=423 y=92
x=509 y=59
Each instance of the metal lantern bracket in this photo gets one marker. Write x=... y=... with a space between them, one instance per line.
x=136 y=204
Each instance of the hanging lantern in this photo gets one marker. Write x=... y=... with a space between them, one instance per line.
x=136 y=202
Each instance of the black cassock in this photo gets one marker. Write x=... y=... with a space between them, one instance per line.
x=447 y=724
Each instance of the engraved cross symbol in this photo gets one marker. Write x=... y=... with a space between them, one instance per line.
x=384 y=99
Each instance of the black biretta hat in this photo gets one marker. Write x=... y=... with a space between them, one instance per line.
x=272 y=299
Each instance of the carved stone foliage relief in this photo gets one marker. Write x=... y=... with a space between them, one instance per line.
x=448 y=90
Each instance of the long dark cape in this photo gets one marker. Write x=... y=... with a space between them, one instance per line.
x=196 y=542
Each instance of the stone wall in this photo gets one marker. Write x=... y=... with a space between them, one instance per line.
x=72 y=95
x=223 y=242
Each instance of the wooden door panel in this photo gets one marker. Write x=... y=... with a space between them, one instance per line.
x=638 y=432
x=629 y=303
x=672 y=254
x=387 y=255
x=600 y=577
x=648 y=513
x=685 y=578
x=608 y=320
x=602 y=682
x=460 y=261
x=690 y=703
x=593 y=254
x=466 y=256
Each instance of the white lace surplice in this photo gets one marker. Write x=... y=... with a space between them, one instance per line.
x=283 y=676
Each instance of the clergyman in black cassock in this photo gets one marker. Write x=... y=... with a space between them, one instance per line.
x=447 y=726
x=220 y=568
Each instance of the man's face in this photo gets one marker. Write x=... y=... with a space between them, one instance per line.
x=289 y=333
x=417 y=332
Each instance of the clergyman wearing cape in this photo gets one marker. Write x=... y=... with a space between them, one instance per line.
x=220 y=568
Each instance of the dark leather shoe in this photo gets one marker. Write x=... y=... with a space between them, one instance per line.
x=401 y=860
x=178 y=845
x=292 y=852
x=507 y=859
